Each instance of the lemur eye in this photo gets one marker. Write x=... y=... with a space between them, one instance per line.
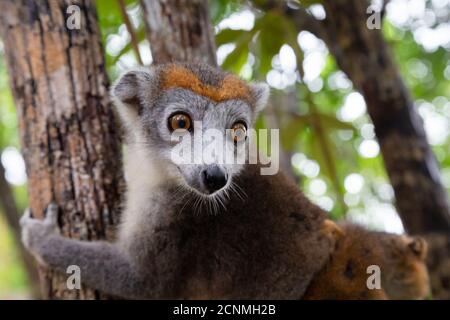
x=239 y=131
x=180 y=121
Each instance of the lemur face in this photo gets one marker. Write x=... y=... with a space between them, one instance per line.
x=409 y=276
x=186 y=115
x=196 y=107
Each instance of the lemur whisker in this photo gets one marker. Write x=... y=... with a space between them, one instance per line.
x=216 y=204
x=186 y=193
x=242 y=190
x=234 y=189
x=198 y=205
x=220 y=201
x=186 y=205
x=211 y=205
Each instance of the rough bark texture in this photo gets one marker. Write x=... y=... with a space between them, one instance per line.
x=179 y=30
x=438 y=263
x=68 y=132
x=12 y=215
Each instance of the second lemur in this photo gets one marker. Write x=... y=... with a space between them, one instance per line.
x=193 y=230
x=400 y=259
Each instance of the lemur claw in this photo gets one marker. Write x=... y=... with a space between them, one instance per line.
x=25 y=217
x=35 y=231
x=51 y=214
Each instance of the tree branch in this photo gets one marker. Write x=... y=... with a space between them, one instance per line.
x=383 y=8
x=129 y=26
x=302 y=20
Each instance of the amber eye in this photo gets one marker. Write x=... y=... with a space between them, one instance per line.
x=239 y=131
x=180 y=121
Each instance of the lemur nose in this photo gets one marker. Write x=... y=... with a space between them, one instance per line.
x=214 y=178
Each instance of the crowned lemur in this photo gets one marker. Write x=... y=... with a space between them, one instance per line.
x=193 y=230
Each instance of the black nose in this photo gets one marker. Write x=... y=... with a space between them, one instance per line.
x=214 y=178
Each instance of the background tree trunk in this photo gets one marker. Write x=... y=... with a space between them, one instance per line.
x=179 y=30
x=68 y=132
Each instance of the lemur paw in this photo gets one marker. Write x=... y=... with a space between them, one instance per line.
x=35 y=232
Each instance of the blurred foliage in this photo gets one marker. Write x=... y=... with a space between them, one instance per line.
x=324 y=129
x=114 y=31
x=13 y=279
x=220 y=9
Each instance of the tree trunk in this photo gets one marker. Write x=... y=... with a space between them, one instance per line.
x=11 y=214
x=179 y=30
x=68 y=132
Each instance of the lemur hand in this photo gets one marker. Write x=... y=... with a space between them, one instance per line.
x=35 y=232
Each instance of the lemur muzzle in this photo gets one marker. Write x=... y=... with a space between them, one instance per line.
x=214 y=178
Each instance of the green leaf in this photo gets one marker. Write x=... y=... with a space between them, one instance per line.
x=220 y=9
x=307 y=3
x=236 y=59
x=229 y=35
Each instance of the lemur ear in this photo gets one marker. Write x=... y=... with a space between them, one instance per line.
x=129 y=90
x=261 y=93
x=331 y=230
x=419 y=247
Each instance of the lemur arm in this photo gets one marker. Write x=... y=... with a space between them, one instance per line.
x=103 y=265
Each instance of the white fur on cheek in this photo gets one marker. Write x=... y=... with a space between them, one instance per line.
x=145 y=173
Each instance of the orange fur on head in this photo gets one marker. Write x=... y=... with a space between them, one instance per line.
x=231 y=86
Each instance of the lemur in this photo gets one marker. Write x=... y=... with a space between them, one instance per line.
x=401 y=260
x=265 y=240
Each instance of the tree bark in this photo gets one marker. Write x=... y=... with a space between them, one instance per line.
x=12 y=215
x=68 y=132
x=179 y=30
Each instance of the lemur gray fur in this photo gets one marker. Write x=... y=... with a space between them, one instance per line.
x=263 y=241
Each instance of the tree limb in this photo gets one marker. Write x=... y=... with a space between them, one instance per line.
x=130 y=29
